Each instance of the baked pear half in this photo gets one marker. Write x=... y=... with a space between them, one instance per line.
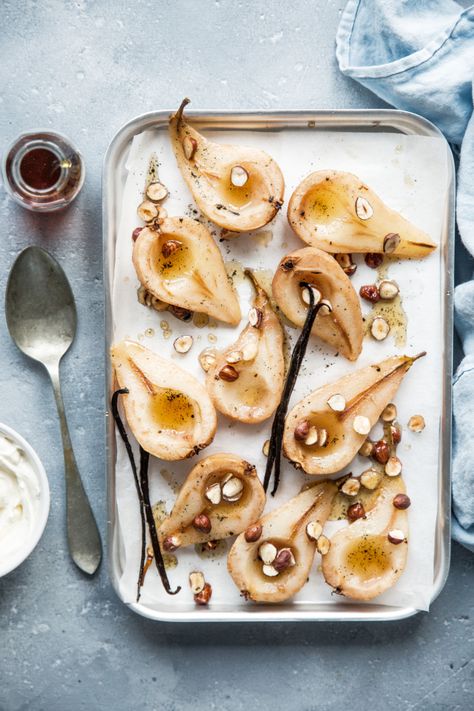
x=179 y=263
x=337 y=212
x=221 y=496
x=236 y=187
x=169 y=412
x=340 y=326
x=246 y=380
x=368 y=556
x=324 y=431
x=271 y=561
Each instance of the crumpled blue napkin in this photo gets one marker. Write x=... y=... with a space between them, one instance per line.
x=418 y=55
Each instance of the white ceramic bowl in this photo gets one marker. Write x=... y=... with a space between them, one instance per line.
x=31 y=543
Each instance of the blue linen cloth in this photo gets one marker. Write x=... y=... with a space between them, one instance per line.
x=418 y=55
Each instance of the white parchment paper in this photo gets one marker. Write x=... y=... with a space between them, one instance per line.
x=410 y=174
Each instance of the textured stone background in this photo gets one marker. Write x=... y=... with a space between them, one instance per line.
x=85 y=68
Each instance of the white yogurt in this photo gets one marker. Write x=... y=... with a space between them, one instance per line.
x=20 y=503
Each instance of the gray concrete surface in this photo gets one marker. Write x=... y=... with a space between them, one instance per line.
x=67 y=643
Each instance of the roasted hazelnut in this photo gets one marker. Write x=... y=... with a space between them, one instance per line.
x=179 y=312
x=401 y=501
x=416 y=423
x=396 y=433
x=370 y=292
x=367 y=448
x=351 y=486
x=253 y=533
x=209 y=545
x=197 y=582
x=170 y=544
x=381 y=451
x=170 y=247
x=255 y=317
x=389 y=413
x=355 y=511
x=373 y=260
x=202 y=523
x=346 y=263
x=323 y=545
x=391 y=242
x=363 y=208
x=228 y=373
x=283 y=560
x=393 y=467
x=204 y=596
x=396 y=536
x=136 y=232
x=189 y=147
x=302 y=430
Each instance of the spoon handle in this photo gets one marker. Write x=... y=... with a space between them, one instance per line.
x=82 y=532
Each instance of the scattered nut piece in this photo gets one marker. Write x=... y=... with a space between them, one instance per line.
x=355 y=511
x=147 y=211
x=170 y=247
x=269 y=571
x=379 y=328
x=267 y=553
x=170 y=544
x=381 y=451
x=323 y=545
x=204 y=596
x=156 y=192
x=183 y=344
x=253 y=533
x=370 y=292
x=389 y=413
x=401 y=501
x=326 y=307
x=284 y=559
x=250 y=350
x=302 y=430
x=234 y=357
x=396 y=536
x=346 y=263
x=147 y=299
x=266 y=447
x=202 y=523
x=189 y=147
x=363 y=208
x=228 y=373
x=238 y=176
x=196 y=582
x=232 y=489
x=179 y=312
x=337 y=403
x=367 y=448
x=416 y=423
x=373 y=259
x=209 y=545
x=370 y=479
x=136 y=232
x=312 y=436
x=322 y=437
x=214 y=493
x=361 y=425
x=388 y=289
x=314 y=530
x=255 y=317
x=393 y=467
x=395 y=433
x=351 y=486
x=306 y=294
x=207 y=358
x=391 y=242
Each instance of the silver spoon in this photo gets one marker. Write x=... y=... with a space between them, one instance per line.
x=41 y=318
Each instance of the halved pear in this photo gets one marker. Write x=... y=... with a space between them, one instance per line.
x=246 y=380
x=342 y=328
x=323 y=433
x=363 y=561
x=236 y=187
x=283 y=528
x=168 y=410
x=224 y=491
x=179 y=263
x=337 y=212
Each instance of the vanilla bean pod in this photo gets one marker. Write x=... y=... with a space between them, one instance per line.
x=124 y=436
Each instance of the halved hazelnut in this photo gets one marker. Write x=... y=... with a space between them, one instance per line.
x=355 y=511
x=253 y=533
x=312 y=436
x=255 y=317
x=391 y=242
x=189 y=147
x=238 y=176
x=170 y=544
x=156 y=192
x=361 y=425
x=381 y=451
x=388 y=289
x=401 y=501
x=389 y=413
x=393 y=467
x=204 y=596
x=351 y=486
x=147 y=211
x=323 y=545
x=267 y=553
x=395 y=433
x=284 y=559
x=346 y=263
x=228 y=373
x=396 y=536
x=416 y=423
x=232 y=489
x=337 y=403
x=379 y=328
x=363 y=208
x=196 y=582
x=179 y=312
x=306 y=294
x=370 y=479
x=136 y=232
x=370 y=292
x=266 y=447
x=269 y=571
x=214 y=493
x=326 y=307
x=202 y=523
x=207 y=358
x=170 y=247
x=322 y=437
x=250 y=350
x=366 y=448
x=183 y=344
x=234 y=357
x=302 y=430
x=314 y=530
x=373 y=259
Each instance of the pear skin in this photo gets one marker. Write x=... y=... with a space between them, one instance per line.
x=337 y=212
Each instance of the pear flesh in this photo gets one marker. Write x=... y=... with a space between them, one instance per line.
x=236 y=187
x=180 y=264
x=362 y=561
x=337 y=212
x=284 y=527
x=365 y=393
x=226 y=517
x=167 y=409
x=343 y=327
x=252 y=391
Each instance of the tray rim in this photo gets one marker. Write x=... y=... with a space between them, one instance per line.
x=344 y=119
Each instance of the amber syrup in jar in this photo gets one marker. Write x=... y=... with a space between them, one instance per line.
x=43 y=171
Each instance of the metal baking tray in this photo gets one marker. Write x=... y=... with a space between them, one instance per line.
x=114 y=175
